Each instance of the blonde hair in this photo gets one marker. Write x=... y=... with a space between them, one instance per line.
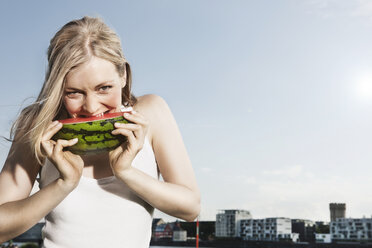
x=73 y=45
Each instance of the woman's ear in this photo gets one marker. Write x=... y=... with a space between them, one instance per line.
x=124 y=80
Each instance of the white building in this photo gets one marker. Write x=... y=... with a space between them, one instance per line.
x=323 y=238
x=295 y=237
x=228 y=222
x=348 y=229
x=269 y=229
x=179 y=235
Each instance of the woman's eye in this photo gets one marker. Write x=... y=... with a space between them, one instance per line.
x=105 y=88
x=72 y=94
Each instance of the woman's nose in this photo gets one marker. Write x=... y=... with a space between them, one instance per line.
x=91 y=104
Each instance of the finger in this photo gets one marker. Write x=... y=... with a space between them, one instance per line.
x=143 y=122
x=74 y=159
x=129 y=126
x=136 y=129
x=64 y=143
x=47 y=147
x=128 y=133
x=136 y=117
x=113 y=155
x=52 y=129
x=123 y=131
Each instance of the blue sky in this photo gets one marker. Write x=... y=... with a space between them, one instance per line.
x=273 y=98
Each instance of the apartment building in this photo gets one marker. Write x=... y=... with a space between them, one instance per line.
x=350 y=229
x=268 y=229
x=228 y=222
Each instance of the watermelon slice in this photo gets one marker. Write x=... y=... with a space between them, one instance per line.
x=93 y=133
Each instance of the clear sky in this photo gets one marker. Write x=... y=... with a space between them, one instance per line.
x=273 y=98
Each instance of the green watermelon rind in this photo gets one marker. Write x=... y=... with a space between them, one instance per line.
x=93 y=136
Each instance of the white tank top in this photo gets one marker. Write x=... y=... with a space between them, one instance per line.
x=101 y=212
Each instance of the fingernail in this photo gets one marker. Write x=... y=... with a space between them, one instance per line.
x=55 y=122
x=126 y=114
x=117 y=124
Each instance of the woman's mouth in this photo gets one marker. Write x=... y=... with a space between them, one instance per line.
x=87 y=116
x=101 y=114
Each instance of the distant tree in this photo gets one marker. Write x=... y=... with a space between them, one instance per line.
x=29 y=245
x=206 y=229
x=9 y=245
x=190 y=228
x=322 y=228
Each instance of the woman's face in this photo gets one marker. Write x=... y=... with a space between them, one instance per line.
x=93 y=89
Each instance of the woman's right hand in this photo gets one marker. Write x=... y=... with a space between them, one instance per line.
x=69 y=165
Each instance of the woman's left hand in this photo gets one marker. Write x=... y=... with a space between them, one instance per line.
x=122 y=157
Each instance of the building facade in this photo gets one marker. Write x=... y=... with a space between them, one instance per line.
x=179 y=235
x=348 y=229
x=305 y=229
x=269 y=229
x=323 y=238
x=228 y=222
x=337 y=210
x=163 y=231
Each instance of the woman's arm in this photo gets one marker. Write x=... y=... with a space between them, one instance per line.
x=18 y=210
x=17 y=216
x=178 y=195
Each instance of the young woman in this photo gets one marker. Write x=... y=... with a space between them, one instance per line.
x=97 y=200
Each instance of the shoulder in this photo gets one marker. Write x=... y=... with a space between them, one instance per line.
x=150 y=101
x=151 y=105
x=155 y=110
